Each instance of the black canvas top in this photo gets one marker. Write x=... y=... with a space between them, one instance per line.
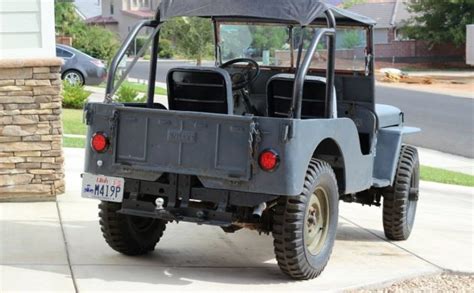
x=303 y=12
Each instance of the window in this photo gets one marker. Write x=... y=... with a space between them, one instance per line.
x=63 y=53
x=263 y=43
x=112 y=7
x=142 y=4
x=270 y=45
x=351 y=43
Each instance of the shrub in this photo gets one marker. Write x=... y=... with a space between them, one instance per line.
x=96 y=41
x=75 y=96
x=127 y=94
x=165 y=49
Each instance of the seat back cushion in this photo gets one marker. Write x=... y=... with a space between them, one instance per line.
x=280 y=96
x=200 y=89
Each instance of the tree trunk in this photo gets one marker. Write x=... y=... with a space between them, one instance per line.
x=198 y=60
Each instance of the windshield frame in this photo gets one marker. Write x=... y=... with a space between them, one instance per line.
x=291 y=27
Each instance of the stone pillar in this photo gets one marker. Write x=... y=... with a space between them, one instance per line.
x=31 y=157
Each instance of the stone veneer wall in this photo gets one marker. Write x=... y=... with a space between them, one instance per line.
x=31 y=157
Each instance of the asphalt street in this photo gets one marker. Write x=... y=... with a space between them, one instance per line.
x=447 y=122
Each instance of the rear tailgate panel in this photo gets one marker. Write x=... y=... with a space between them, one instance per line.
x=202 y=144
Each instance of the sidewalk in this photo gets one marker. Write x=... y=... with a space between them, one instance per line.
x=450 y=162
x=59 y=247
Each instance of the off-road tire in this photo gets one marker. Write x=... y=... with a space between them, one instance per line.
x=121 y=233
x=292 y=254
x=400 y=200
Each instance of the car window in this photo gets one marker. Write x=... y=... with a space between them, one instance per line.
x=63 y=53
x=350 y=48
x=262 y=43
x=270 y=45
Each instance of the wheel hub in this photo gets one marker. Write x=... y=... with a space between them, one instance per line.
x=316 y=221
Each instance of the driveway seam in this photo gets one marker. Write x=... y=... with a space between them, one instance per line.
x=396 y=245
x=66 y=248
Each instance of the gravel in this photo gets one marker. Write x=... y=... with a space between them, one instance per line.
x=445 y=282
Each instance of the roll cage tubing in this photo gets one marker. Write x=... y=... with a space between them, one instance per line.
x=330 y=108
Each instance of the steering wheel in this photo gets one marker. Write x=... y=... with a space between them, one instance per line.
x=243 y=78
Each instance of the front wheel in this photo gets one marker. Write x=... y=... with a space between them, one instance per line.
x=130 y=235
x=304 y=226
x=400 y=201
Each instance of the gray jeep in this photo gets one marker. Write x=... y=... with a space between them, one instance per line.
x=270 y=143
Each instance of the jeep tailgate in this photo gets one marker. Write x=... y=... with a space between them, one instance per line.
x=202 y=144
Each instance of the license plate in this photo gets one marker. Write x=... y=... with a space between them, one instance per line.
x=102 y=187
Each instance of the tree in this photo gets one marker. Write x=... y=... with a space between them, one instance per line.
x=93 y=40
x=192 y=36
x=351 y=39
x=439 y=21
x=269 y=37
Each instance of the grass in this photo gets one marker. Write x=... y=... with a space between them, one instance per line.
x=72 y=122
x=142 y=88
x=445 y=176
x=73 y=142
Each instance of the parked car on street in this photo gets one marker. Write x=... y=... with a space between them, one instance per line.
x=80 y=68
x=267 y=147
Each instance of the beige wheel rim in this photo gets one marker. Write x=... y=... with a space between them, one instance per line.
x=316 y=221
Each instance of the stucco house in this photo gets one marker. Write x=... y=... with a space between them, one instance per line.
x=121 y=15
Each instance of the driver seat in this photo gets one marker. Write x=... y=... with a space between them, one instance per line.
x=200 y=89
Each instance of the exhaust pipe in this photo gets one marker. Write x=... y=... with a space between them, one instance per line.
x=258 y=210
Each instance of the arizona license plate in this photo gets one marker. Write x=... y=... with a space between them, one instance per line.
x=102 y=187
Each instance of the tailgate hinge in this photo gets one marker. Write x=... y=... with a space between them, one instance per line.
x=113 y=121
x=254 y=142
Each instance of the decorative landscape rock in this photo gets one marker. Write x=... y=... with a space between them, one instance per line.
x=31 y=158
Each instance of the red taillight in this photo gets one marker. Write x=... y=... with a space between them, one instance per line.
x=268 y=160
x=99 y=142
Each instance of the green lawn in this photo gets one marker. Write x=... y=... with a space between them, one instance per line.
x=445 y=176
x=142 y=88
x=73 y=142
x=72 y=122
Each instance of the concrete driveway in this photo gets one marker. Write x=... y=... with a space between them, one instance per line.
x=43 y=249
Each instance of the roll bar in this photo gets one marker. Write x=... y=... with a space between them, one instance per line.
x=330 y=107
x=110 y=89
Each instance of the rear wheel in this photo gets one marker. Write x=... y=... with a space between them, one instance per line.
x=73 y=77
x=130 y=235
x=400 y=201
x=304 y=226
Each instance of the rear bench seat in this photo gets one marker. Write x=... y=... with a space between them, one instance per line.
x=388 y=115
